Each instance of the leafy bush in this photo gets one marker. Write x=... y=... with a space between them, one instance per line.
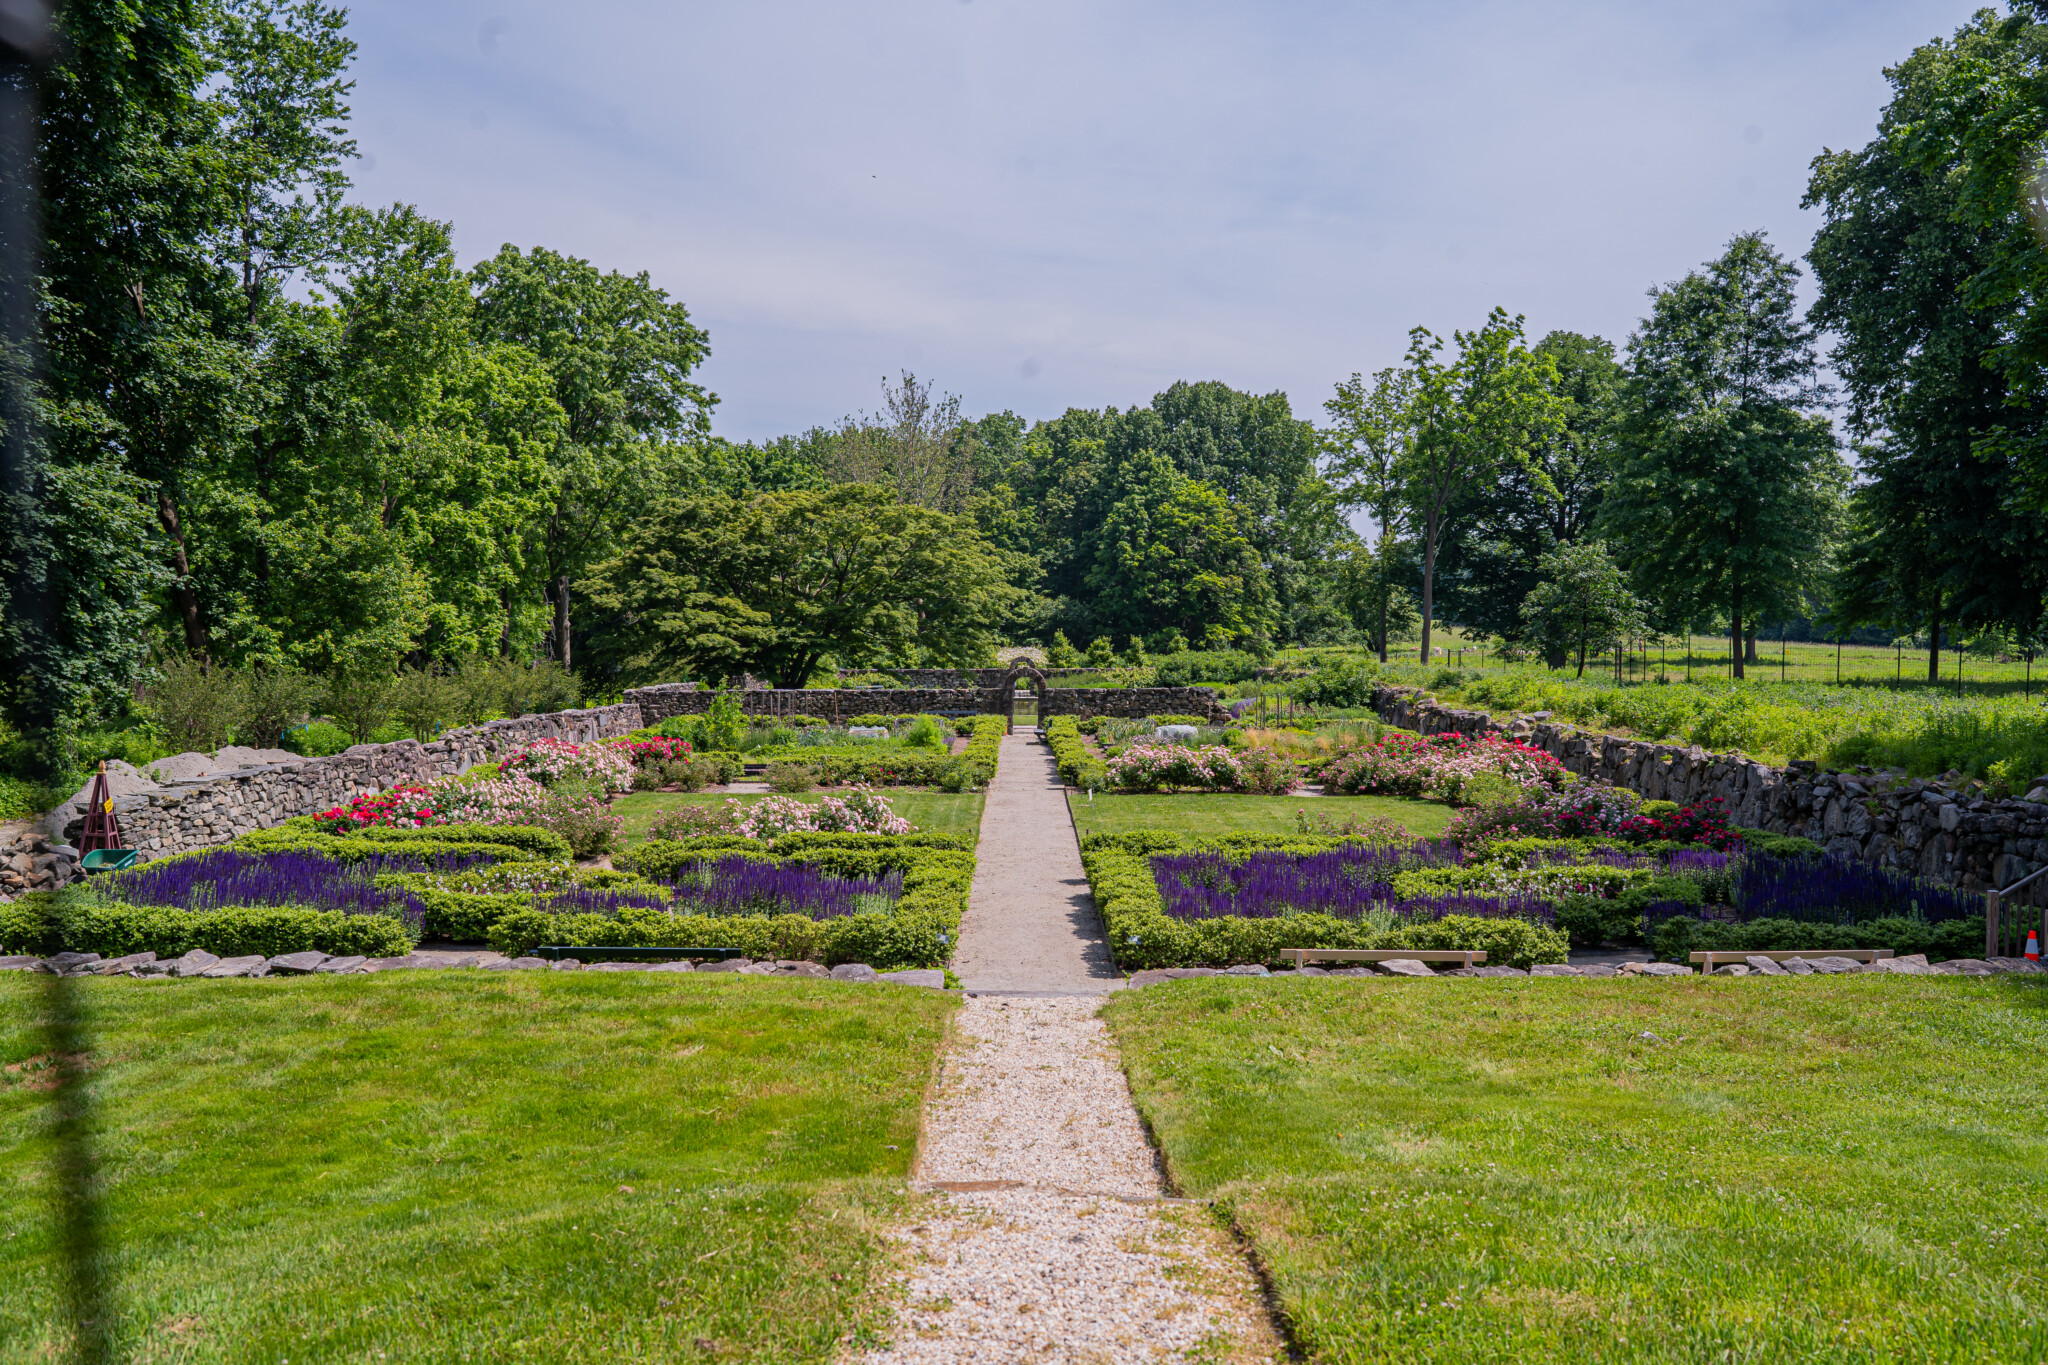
x=76 y=920
x=1675 y=938
x=316 y=739
x=926 y=732
x=1154 y=767
x=1200 y=666
x=789 y=778
x=1078 y=767
x=1265 y=773
x=1346 y=683
x=1439 y=766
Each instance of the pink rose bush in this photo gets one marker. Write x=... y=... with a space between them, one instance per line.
x=581 y=818
x=1149 y=767
x=1578 y=811
x=607 y=767
x=859 y=811
x=1439 y=766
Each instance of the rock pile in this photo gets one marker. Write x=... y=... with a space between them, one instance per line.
x=1916 y=965
x=31 y=862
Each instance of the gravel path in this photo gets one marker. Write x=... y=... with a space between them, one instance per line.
x=1031 y=924
x=1047 y=1236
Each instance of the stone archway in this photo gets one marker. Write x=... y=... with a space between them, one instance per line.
x=1022 y=670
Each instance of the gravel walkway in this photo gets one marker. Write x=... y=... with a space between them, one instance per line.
x=1031 y=925
x=1047 y=1237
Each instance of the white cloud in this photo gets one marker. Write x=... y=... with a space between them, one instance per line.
x=1050 y=204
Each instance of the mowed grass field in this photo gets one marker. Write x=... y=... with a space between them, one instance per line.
x=462 y=1165
x=1798 y=1169
x=1210 y=813
x=932 y=812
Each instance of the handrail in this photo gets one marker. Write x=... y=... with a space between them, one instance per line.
x=1994 y=907
x=2037 y=873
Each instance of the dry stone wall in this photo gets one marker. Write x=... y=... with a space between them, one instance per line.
x=961 y=677
x=215 y=809
x=1926 y=828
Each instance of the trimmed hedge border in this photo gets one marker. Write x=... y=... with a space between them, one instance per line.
x=1142 y=935
x=1078 y=767
x=75 y=920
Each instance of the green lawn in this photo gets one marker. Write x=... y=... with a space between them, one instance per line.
x=935 y=812
x=465 y=1165
x=1222 y=813
x=1845 y=1169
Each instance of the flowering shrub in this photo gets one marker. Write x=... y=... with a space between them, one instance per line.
x=225 y=877
x=1580 y=811
x=1696 y=824
x=1149 y=767
x=608 y=767
x=859 y=811
x=580 y=818
x=748 y=886
x=1439 y=766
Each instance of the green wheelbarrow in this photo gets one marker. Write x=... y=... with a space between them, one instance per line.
x=108 y=860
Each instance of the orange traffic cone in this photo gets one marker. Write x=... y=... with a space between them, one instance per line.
x=2033 y=946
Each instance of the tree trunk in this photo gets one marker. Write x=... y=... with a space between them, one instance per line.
x=1749 y=645
x=1428 y=588
x=1735 y=636
x=1582 y=658
x=182 y=596
x=1934 y=646
x=562 y=653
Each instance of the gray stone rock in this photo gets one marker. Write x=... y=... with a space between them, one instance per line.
x=62 y=963
x=253 y=965
x=236 y=756
x=566 y=964
x=1663 y=969
x=121 y=965
x=189 y=767
x=1764 y=966
x=339 y=966
x=1404 y=966
x=813 y=969
x=1555 y=969
x=1151 y=976
x=1352 y=971
x=1599 y=969
x=1732 y=969
x=1183 y=973
x=1246 y=969
x=1309 y=971
x=297 y=964
x=20 y=962
x=1834 y=966
x=1797 y=966
x=1498 y=970
x=1951 y=818
x=929 y=977
x=410 y=962
x=1916 y=965
x=618 y=967
x=853 y=971
x=680 y=966
x=2013 y=966
x=193 y=963
x=1963 y=966
x=758 y=969
x=731 y=964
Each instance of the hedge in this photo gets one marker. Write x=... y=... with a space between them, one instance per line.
x=507 y=843
x=1676 y=938
x=79 y=921
x=1078 y=767
x=1143 y=935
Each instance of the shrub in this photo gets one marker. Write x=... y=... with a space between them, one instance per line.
x=1152 y=767
x=316 y=739
x=1078 y=767
x=192 y=702
x=789 y=778
x=1344 y=684
x=82 y=921
x=1199 y=666
x=1266 y=773
x=926 y=732
x=606 y=767
x=1439 y=766
x=270 y=701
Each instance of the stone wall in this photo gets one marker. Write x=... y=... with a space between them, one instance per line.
x=1922 y=827
x=958 y=677
x=213 y=810
x=677 y=699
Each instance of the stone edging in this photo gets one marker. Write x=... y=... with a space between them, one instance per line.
x=200 y=963
x=1919 y=827
x=1915 y=965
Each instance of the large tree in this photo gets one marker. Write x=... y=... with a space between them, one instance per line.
x=776 y=583
x=1505 y=526
x=1941 y=533
x=1367 y=440
x=1728 y=486
x=621 y=355
x=1473 y=419
x=1581 y=601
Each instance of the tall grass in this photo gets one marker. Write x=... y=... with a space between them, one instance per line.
x=1924 y=730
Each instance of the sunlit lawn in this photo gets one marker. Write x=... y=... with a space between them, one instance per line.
x=1225 y=813
x=465 y=1165
x=1774 y=1169
x=939 y=812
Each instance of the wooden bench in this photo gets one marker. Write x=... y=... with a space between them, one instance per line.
x=1721 y=955
x=1301 y=957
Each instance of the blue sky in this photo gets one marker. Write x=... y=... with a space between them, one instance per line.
x=1050 y=204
